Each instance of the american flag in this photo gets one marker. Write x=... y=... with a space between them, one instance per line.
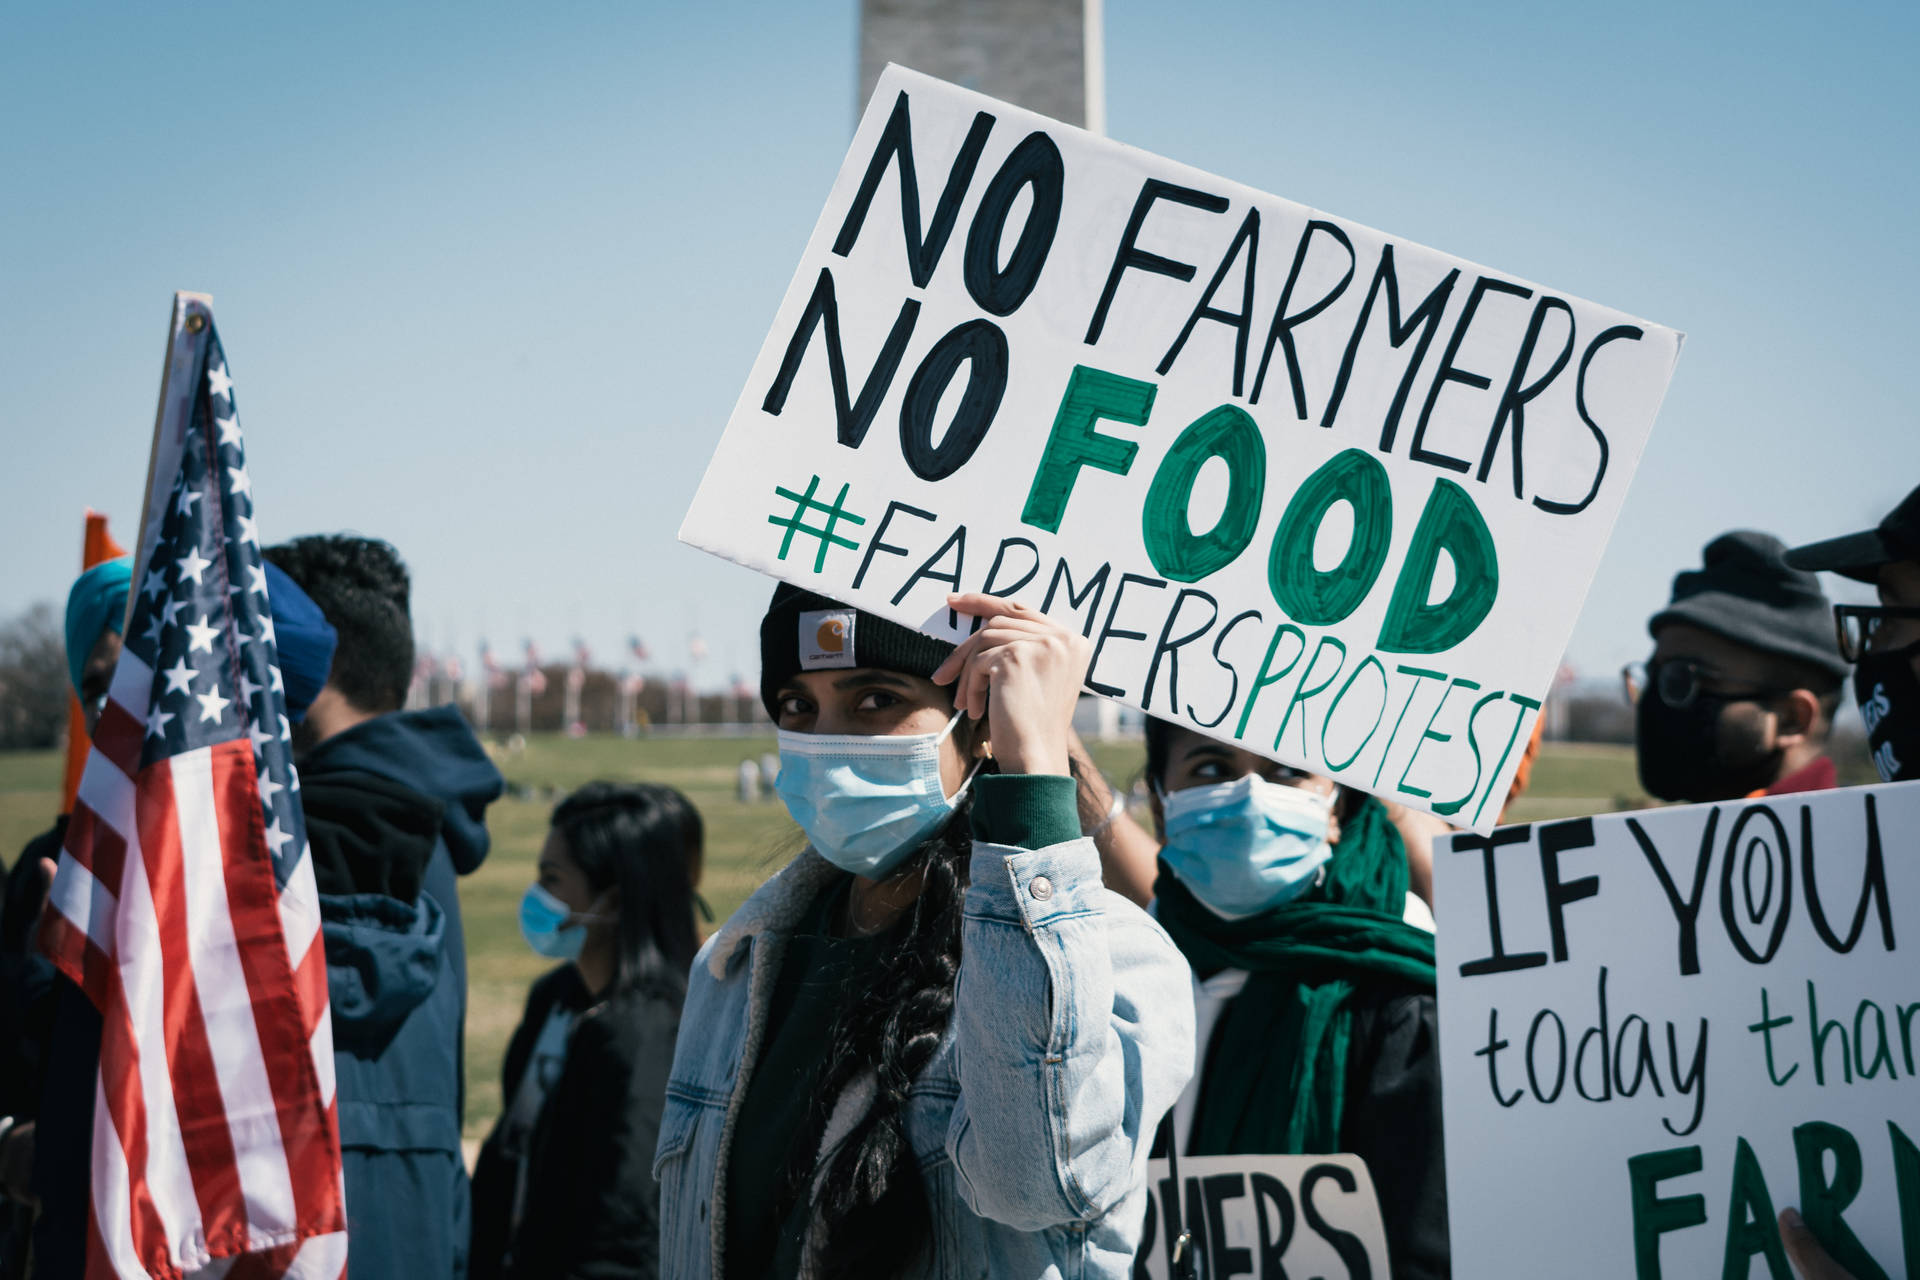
x=532 y=677
x=577 y=673
x=496 y=675
x=185 y=903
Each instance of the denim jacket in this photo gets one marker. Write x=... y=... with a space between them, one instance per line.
x=1071 y=1036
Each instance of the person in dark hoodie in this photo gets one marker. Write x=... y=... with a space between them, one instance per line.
x=564 y=1186
x=395 y=805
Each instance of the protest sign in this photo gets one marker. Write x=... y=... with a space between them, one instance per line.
x=1266 y=1218
x=1325 y=492
x=1657 y=1029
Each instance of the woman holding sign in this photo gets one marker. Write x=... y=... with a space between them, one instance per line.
x=924 y=1047
x=1313 y=977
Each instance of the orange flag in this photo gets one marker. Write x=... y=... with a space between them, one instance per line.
x=97 y=546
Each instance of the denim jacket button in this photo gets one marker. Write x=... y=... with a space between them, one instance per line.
x=1040 y=887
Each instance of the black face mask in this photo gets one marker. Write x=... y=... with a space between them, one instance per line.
x=1681 y=757
x=1889 y=696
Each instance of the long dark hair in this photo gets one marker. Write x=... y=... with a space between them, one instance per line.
x=643 y=839
x=870 y=1208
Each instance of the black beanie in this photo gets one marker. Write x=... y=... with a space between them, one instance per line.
x=807 y=632
x=1745 y=591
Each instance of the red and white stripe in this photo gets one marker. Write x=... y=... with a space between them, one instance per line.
x=214 y=1147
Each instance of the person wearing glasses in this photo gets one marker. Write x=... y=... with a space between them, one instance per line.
x=1739 y=694
x=1882 y=641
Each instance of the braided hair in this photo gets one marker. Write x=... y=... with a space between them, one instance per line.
x=870 y=1209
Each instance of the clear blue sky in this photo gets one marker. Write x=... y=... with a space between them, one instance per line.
x=489 y=278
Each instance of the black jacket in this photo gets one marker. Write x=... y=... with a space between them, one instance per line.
x=53 y=1070
x=1392 y=1121
x=592 y=1208
x=28 y=1000
x=26 y=979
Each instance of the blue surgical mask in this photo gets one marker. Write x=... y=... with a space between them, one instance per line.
x=866 y=801
x=1246 y=846
x=543 y=922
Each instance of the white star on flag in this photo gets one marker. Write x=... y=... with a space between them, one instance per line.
x=286 y=730
x=183 y=503
x=276 y=837
x=294 y=775
x=248 y=533
x=238 y=481
x=218 y=383
x=229 y=430
x=265 y=634
x=211 y=705
x=247 y=687
x=155 y=625
x=256 y=579
x=260 y=739
x=268 y=787
x=180 y=677
x=201 y=636
x=157 y=721
x=192 y=565
x=273 y=680
x=172 y=608
x=155 y=584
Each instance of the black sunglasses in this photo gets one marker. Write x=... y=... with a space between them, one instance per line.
x=1678 y=681
x=1856 y=624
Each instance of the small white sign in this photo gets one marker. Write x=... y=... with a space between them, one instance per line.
x=1266 y=1218
x=1316 y=489
x=1659 y=1029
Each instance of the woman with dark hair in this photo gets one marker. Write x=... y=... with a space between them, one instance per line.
x=1313 y=980
x=563 y=1187
x=933 y=1044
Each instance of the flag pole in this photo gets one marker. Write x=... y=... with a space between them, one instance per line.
x=186 y=328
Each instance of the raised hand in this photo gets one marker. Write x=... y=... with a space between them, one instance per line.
x=1812 y=1261
x=1022 y=672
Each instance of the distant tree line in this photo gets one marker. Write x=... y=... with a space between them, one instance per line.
x=33 y=680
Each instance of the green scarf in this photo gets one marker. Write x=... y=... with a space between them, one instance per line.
x=1275 y=1076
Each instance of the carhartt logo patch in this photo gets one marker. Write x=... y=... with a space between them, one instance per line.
x=826 y=639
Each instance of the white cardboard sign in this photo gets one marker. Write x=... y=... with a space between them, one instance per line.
x=1320 y=490
x=1267 y=1218
x=1659 y=1029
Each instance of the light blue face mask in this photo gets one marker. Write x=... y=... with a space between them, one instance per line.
x=1246 y=846
x=543 y=923
x=866 y=801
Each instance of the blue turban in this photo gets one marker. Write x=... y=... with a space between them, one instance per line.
x=305 y=639
x=98 y=601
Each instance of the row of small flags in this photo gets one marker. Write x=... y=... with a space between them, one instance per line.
x=429 y=667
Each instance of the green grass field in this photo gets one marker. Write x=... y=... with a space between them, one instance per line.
x=745 y=844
